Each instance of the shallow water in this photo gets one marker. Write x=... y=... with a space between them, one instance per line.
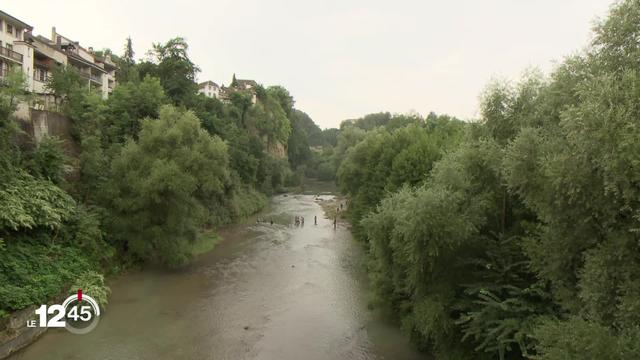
x=266 y=292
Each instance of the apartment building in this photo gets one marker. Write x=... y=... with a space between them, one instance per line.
x=14 y=50
x=37 y=55
x=98 y=71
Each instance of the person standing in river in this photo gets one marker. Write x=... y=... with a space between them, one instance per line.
x=315 y=220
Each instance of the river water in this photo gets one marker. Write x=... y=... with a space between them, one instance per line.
x=265 y=292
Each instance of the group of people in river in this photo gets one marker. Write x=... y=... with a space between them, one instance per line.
x=298 y=220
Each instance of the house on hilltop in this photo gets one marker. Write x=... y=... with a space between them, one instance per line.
x=249 y=86
x=209 y=89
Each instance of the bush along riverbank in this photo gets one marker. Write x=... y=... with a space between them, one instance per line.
x=149 y=174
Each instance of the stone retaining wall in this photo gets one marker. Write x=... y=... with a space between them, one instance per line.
x=14 y=333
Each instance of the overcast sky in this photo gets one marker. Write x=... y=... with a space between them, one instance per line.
x=340 y=59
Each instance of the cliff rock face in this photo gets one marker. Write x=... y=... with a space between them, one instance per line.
x=273 y=147
x=277 y=149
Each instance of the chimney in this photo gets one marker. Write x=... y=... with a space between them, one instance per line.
x=90 y=49
x=53 y=35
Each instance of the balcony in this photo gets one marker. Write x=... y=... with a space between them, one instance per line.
x=95 y=78
x=10 y=54
x=43 y=63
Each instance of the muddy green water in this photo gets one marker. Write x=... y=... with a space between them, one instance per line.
x=265 y=292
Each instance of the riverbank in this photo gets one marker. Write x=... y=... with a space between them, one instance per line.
x=334 y=207
x=15 y=335
x=205 y=242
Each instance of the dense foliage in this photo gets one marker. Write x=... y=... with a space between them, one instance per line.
x=157 y=165
x=163 y=184
x=516 y=237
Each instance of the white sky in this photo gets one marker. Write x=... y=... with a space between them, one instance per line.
x=340 y=58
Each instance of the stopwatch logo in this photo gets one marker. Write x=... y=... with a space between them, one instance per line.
x=79 y=314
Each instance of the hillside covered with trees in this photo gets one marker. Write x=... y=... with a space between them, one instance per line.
x=150 y=169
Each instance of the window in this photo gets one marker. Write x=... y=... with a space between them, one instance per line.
x=9 y=29
x=40 y=74
x=9 y=46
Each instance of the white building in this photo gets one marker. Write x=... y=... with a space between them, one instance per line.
x=45 y=57
x=37 y=55
x=209 y=89
x=14 y=50
x=99 y=72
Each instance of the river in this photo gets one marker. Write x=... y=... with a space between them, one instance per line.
x=265 y=292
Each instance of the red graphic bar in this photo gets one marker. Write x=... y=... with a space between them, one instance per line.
x=79 y=295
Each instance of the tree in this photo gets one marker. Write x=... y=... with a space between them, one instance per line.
x=270 y=119
x=47 y=160
x=163 y=185
x=298 y=144
x=128 y=56
x=522 y=241
x=127 y=65
x=241 y=100
x=129 y=104
x=283 y=97
x=64 y=83
x=9 y=153
x=14 y=85
x=174 y=68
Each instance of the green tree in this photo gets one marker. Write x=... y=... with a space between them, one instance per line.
x=14 y=85
x=64 y=83
x=174 y=68
x=163 y=186
x=129 y=104
x=298 y=144
x=127 y=65
x=48 y=160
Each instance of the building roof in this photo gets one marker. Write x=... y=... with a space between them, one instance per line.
x=106 y=61
x=244 y=83
x=79 y=59
x=38 y=39
x=208 y=82
x=16 y=20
